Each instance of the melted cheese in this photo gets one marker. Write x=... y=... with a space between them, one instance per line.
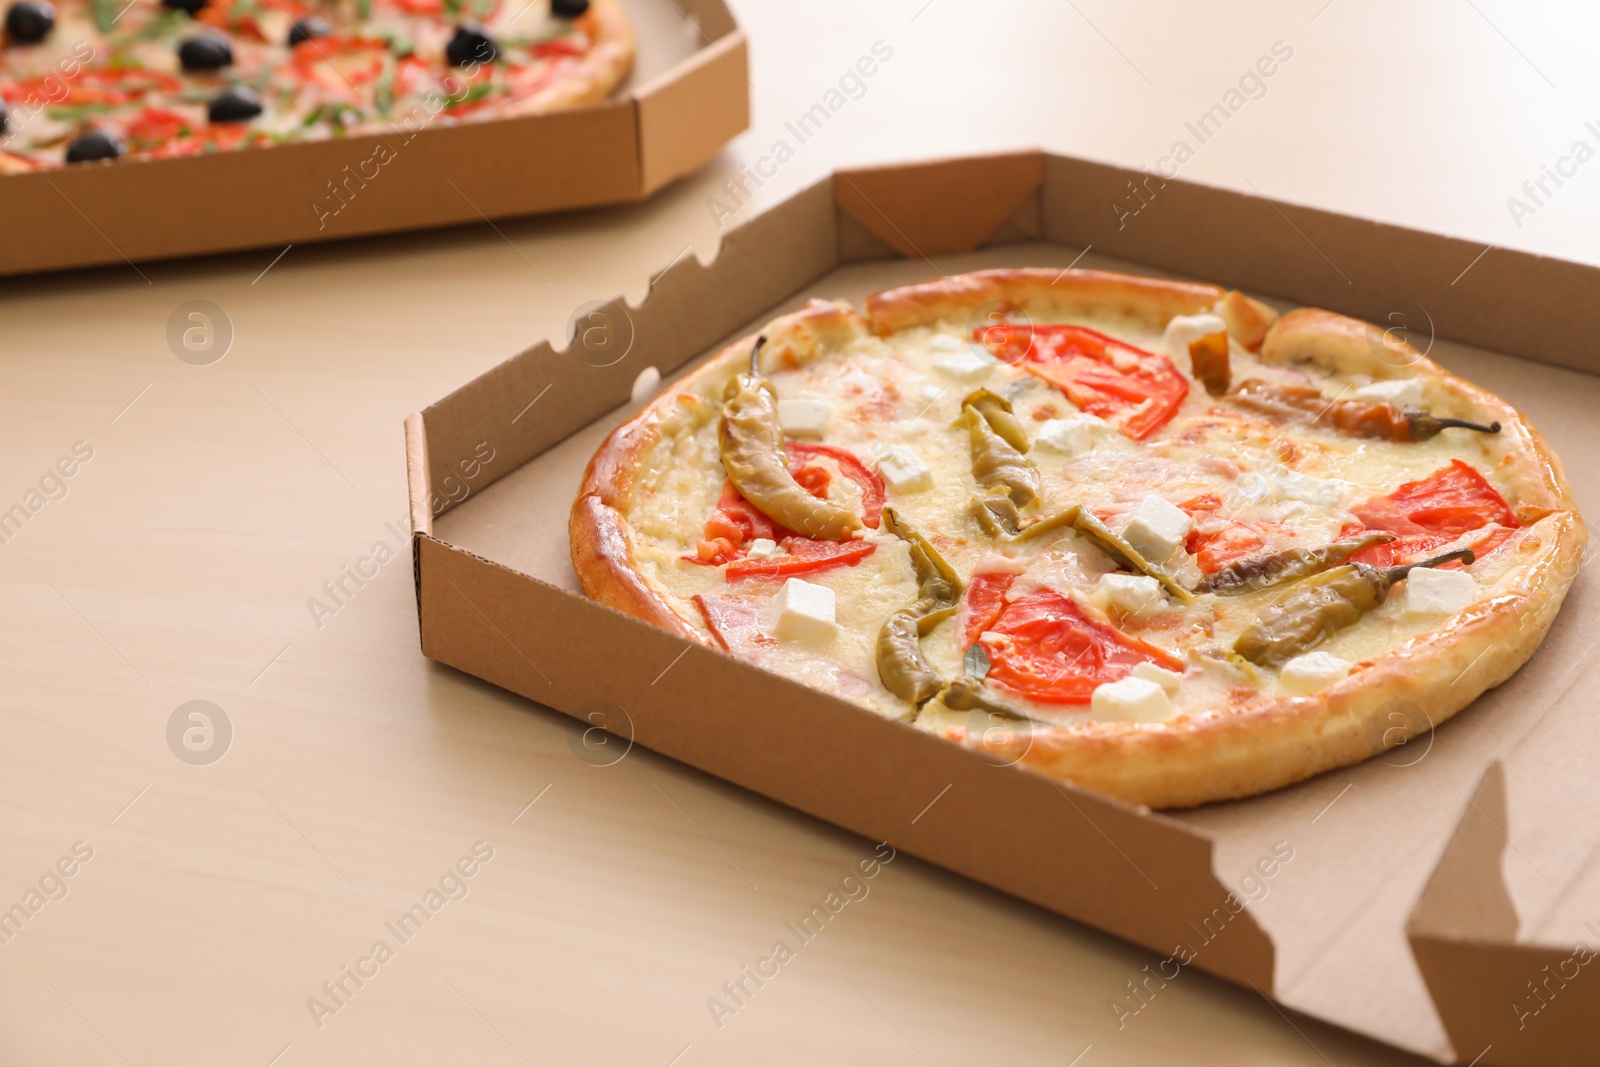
x=1296 y=483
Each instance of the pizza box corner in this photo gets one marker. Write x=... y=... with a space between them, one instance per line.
x=688 y=95
x=1441 y=897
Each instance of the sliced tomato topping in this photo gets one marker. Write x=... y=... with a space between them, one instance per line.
x=986 y=598
x=736 y=522
x=733 y=524
x=734 y=620
x=1214 y=541
x=1433 y=511
x=805 y=556
x=871 y=486
x=1136 y=390
x=558 y=46
x=156 y=124
x=1451 y=501
x=1055 y=653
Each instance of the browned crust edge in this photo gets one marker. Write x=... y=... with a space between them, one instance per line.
x=603 y=67
x=1273 y=742
x=1053 y=294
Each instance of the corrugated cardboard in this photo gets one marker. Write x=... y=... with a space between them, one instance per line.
x=1411 y=898
x=689 y=95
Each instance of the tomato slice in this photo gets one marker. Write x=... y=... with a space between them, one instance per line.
x=735 y=621
x=1136 y=390
x=558 y=46
x=1057 y=654
x=154 y=125
x=735 y=522
x=872 y=491
x=805 y=556
x=1434 y=511
x=986 y=599
x=1214 y=541
x=1451 y=501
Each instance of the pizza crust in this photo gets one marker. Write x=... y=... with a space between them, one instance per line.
x=1267 y=742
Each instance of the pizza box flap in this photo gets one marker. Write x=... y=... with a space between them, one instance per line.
x=1327 y=874
x=1507 y=930
x=687 y=113
x=1417 y=283
x=941 y=206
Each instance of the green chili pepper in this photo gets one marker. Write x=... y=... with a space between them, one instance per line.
x=1358 y=418
x=997 y=461
x=902 y=668
x=751 y=443
x=1120 y=550
x=997 y=513
x=1277 y=568
x=1425 y=425
x=1321 y=605
x=969 y=694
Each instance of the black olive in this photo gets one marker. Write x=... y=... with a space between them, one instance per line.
x=568 y=9
x=236 y=105
x=209 y=51
x=470 y=44
x=307 y=28
x=191 y=6
x=30 y=21
x=96 y=144
x=2 y=116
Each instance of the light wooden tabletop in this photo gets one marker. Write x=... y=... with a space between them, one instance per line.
x=215 y=912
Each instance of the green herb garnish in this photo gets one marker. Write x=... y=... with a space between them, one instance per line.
x=976 y=661
x=383 y=92
x=105 y=14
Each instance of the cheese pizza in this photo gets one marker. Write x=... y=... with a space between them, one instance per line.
x=1145 y=536
x=91 y=80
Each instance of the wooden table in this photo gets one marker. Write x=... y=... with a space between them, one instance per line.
x=181 y=561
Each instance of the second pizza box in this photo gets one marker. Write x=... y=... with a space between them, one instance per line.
x=688 y=95
x=1442 y=897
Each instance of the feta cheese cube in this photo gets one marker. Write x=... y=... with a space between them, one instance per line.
x=1157 y=528
x=1185 y=328
x=1435 y=592
x=1168 y=680
x=965 y=366
x=1071 y=436
x=805 y=612
x=805 y=415
x=1131 y=700
x=903 y=470
x=943 y=342
x=1137 y=594
x=762 y=548
x=1401 y=392
x=1311 y=672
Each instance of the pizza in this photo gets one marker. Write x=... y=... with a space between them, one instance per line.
x=1145 y=536
x=87 y=80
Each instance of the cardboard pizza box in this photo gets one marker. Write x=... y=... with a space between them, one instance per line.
x=1443 y=896
x=688 y=95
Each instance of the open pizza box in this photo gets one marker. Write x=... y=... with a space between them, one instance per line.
x=1443 y=896
x=688 y=95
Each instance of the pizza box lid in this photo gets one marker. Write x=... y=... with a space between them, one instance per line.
x=688 y=95
x=1441 y=897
